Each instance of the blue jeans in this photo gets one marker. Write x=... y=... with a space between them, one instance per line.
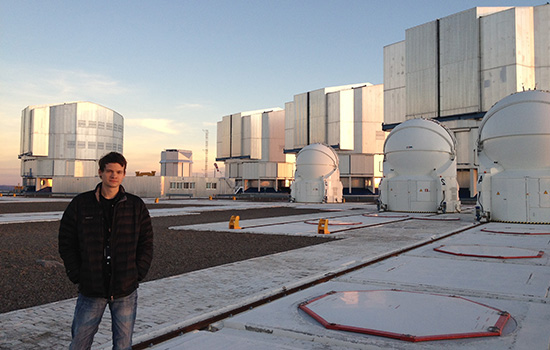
x=88 y=314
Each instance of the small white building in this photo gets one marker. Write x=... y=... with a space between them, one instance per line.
x=317 y=176
x=420 y=169
x=66 y=140
x=176 y=162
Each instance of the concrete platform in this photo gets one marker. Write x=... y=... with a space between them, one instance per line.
x=172 y=303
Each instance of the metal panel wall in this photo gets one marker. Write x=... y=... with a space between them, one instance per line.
x=246 y=135
x=368 y=118
x=273 y=139
x=40 y=121
x=542 y=46
x=333 y=118
x=507 y=54
x=301 y=122
x=224 y=137
x=285 y=170
x=63 y=129
x=394 y=83
x=459 y=63
x=25 y=142
x=362 y=164
x=236 y=135
x=340 y=119
x=252 y=136
x=290 y=118
x=422 y=70
x=344 y=163
x=317 y=116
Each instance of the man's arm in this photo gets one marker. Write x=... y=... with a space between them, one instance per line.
x=144 y=255
x=68 y=243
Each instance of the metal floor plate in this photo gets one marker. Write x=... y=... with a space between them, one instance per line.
x=485 y=251
x=410 y=316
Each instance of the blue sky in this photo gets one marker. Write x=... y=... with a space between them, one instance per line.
x=173 y=68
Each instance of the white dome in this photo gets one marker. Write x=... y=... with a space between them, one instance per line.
x=315 y=161
x=418 y=146
x=515 y=132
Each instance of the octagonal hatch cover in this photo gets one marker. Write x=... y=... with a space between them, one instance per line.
x=484 y=251
x=538 y=230
x=410 y=316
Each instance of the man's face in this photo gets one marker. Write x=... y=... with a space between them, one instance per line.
x=113 y=175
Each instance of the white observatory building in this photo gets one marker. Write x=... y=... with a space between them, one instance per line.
x=455 y=68
x=419 y=169
x=514 y=158
x=317 y=176
x=251 y=146
x=348 y=119
x=66 y=140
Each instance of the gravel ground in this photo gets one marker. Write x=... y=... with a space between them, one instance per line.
x=32 y=272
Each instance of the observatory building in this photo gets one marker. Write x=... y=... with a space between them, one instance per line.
x=513 y=144
x=176 y=162
x=419 y=169
x=66 y=140
x=251 y=146
x=317 y=176
x=455 y=68
x=348 y=119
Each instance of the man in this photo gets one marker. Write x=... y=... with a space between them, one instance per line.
x=106 y=243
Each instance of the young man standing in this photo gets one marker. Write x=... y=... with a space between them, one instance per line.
x=106 y=243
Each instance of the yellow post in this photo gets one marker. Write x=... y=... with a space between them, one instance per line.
x=234 y=198
x=322 y=228
x=14 y=195
x=210 y=197
x=234 y=222
x=156 y=200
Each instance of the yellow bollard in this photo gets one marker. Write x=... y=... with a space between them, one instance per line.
x=234 y=222
x=234 y=198
x=210 y=197
x=156 y=200
x=14 y=195
x=322 y=228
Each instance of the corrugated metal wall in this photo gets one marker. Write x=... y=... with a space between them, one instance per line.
x=459 y=63
x=368 y=118
x=541 y=18
x=273 y=140
x=394 y=83
x=507 y=54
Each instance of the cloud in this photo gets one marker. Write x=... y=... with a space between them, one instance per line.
x=26 y=85
x=165 y=126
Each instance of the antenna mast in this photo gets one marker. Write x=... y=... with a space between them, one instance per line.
x=205 y=152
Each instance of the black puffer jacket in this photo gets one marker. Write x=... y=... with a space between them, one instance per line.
x=81 y=243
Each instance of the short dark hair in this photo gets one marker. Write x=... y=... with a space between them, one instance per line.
x=112 y=157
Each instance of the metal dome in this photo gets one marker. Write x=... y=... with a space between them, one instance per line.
x=315 y=161
x=419 y=146
x=515 y=132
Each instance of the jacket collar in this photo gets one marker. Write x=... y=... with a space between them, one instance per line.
x=121 y=192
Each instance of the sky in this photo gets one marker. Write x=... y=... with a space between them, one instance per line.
x=173 y=69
